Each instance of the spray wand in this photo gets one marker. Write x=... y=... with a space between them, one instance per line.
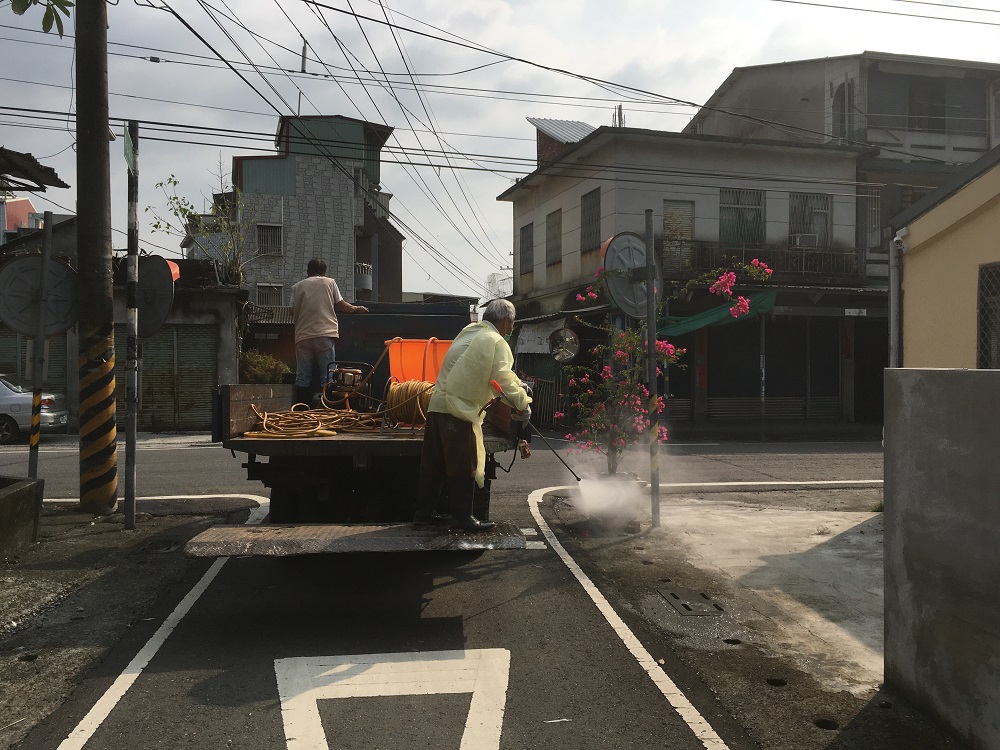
x=499 y=389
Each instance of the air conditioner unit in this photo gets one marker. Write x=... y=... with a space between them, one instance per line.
x=805 y=241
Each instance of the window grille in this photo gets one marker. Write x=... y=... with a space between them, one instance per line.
x=268 y=239
x=678 y=230
x=809 y=220
x=988 y=357
x=741 y=218
x=553 y=238
x=271 y=295
x=869 y=213
x=590 y=221
x=527 y=248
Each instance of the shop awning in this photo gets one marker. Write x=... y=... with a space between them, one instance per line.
x=761 y=303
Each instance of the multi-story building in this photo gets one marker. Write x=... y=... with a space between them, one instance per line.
x=319 y=196
x=927 y=117
x=714 y=198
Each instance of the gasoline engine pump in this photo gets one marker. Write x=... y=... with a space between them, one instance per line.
x=348 y=388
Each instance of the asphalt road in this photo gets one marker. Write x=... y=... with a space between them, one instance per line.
x=566 y=645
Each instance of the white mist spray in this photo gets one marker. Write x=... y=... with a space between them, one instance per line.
x=612 y=500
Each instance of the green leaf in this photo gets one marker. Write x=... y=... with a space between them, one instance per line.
x=59 y=23
x=47 y=19
x=20 y=6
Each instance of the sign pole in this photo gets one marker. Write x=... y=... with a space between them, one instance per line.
x=654 y=417
x=132 y=334
x=38 y=359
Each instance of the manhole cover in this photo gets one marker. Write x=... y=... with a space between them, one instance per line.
x=691 y=601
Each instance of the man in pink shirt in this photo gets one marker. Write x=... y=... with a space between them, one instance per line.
x=316 y=300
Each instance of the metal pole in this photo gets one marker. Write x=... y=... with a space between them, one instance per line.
x=38 y=360
x=98 y=435
x=894 y=303
x=763 y=370
x=132 y=334
x=654 y=417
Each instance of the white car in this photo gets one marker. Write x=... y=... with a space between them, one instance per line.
x=15 y=410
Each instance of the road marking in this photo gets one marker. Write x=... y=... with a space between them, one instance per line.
x=304 y=681
x=263 y=501
x=102 y=709
x=806 y=483
x=701 y=728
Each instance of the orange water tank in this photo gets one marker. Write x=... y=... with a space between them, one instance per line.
x=416 y=359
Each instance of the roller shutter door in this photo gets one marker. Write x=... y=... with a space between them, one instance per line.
x=179 y=371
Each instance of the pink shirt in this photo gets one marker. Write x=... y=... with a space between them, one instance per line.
x=313 y=301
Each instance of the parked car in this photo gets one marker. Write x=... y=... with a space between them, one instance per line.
x=15 y=409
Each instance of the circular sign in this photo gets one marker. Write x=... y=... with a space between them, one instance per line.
x=19 y=282
x=564 y=345
x=624 y=255
x=154 y=294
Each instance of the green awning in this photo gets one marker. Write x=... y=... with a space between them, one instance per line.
x=761 y=303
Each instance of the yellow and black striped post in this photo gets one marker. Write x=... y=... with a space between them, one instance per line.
x=98 y=444
x=36 y=428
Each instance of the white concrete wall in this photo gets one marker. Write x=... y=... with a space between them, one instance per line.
x=942 y=486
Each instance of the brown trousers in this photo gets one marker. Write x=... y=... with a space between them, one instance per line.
x=449 y=448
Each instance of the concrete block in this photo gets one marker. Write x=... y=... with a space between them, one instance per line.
x=942 y=512
x=20 y=513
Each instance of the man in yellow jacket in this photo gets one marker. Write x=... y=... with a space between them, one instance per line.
x=453 y=451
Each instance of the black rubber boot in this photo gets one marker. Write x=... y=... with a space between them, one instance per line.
x=428 y=493
x=302 y=395
x=461 y=491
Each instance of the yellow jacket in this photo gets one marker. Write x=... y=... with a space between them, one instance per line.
x=477 y=355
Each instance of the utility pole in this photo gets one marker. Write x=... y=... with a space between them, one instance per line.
x=98 y=445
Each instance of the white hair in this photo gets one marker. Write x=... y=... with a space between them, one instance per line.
x=499 y=309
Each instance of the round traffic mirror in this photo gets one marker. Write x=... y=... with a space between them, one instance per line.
x=564 y=345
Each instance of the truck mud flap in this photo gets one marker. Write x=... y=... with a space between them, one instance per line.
x=308 y=539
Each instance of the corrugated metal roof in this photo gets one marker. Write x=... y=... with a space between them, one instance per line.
x=564 y=131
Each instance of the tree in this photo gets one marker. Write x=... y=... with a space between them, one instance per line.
x=52 y=10
x=225 y=234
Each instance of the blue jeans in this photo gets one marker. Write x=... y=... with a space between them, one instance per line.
x=318 y=352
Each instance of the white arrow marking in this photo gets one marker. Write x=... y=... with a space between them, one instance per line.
x=304 y=681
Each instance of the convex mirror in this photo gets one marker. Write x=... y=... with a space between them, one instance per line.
x=564 y=345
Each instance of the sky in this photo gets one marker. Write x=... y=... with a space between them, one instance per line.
x=456 y=79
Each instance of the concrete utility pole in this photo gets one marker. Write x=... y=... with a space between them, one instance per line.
x=98 y=446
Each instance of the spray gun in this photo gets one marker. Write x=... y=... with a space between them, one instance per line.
x=499 y=390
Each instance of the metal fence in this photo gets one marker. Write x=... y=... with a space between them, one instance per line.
x=988 y=335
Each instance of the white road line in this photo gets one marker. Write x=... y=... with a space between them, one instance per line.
x=701 y=728
x=304 y=681
x=92 y=721
x=263 y=501
x=775 y=483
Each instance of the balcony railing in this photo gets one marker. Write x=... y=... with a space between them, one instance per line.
x=790 y=264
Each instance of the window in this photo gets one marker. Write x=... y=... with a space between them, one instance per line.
x=926 y=104
x=553 y=238
x=988 y=356
x=809 y=220
x=271 y=295
x=269 y=239
x=678 y=231
x=527 y=248
x=590 y=221
x=741 y=218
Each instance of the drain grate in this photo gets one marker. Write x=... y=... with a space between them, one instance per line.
x=159 y=547
x=691 y=601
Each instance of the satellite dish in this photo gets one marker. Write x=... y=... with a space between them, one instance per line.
x=625 y=262
x=19 y=278
x=155 y=294
x=564 y=345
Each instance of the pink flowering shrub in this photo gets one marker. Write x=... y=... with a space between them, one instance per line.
x=612 y=407
x=724 y=281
